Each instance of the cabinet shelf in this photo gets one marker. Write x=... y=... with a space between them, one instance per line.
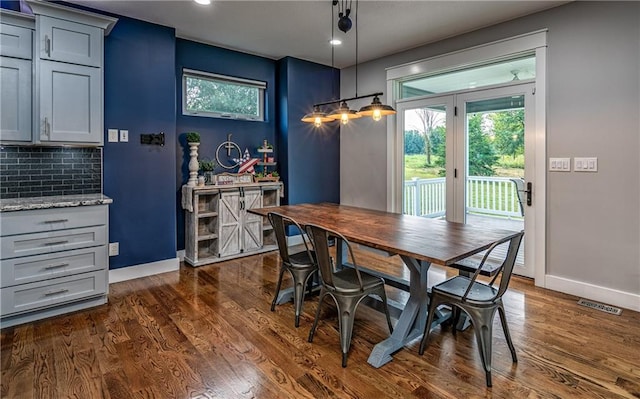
x=205 y=237
x=207 y=214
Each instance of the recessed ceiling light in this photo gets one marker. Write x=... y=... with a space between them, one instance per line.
x=203 y=2
x=335 y=42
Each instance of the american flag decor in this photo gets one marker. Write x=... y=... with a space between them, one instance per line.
x=246 y=163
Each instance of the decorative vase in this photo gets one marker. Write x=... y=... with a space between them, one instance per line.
x=193 y=164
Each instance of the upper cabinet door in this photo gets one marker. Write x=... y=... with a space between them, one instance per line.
x=67 y=41
x=15 y=99
x=70 y=103
x=15 y=42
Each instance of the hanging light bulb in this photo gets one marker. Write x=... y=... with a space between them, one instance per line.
x=316 y=117
x=376 y=109
x=344 y=114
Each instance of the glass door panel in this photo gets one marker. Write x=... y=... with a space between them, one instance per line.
x=424 y=125
x=492 y=190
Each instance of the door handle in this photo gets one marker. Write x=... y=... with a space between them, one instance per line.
x=47 y=45
x=528 y=191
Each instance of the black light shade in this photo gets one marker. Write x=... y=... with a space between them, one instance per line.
x=344 y=114
x=376 y=109
x=316 y=117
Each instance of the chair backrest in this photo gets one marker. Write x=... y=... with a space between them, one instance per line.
x=506 y=268
x=280 y=224
x=509 y=263
x=320 y=237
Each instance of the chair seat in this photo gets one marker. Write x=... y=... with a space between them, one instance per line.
x=346 y=281
x=301 y=260
x=457 y=286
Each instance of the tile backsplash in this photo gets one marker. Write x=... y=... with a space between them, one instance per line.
x=45 y=171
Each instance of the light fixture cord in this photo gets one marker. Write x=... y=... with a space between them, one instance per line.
x=357 y=47
x=333 y=47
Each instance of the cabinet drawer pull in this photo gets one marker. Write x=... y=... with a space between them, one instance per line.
x=57 y=292
x=47 y=45
x=56 y=266
x=56 y=243
x=56 y=221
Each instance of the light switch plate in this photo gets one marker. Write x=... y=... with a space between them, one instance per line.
x=589 y=164
x=124 y=136
x=560 y=164
x=113 y=135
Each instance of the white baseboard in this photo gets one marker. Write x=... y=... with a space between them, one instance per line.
x=143 y=270
x=180 y=255
x=605 y=295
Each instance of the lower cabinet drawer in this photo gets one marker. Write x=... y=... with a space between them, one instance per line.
x=29 y=269
x=37 y=220
x=26 y=297
x=55 y=241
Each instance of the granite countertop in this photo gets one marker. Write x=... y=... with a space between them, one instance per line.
x=56 y=201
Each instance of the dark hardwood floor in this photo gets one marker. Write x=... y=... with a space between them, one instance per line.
x=209 y=333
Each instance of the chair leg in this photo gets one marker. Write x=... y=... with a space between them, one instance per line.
x=507 y=335
x=300 y=278
x=455 y=315
x=383 y=297
x=346 y=313
x=482 y=320
x=433 y=305
x=323 y=293
x=275 y=296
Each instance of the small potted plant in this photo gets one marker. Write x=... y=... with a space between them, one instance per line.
x=193 y=137
x=207 y=167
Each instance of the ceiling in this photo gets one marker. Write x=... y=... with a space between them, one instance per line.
x=302 y=29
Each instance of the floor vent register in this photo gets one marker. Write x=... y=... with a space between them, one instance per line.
x=600 y=306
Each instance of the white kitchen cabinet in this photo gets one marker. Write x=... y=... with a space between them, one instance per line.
x=16 y=41
x=15 y=99
x=16 y=71
x=53 y=261
x=66 y=41
x=64 y=103
x=70 y=103
x=219 y=227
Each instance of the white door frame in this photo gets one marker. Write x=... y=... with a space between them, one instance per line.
x=535 y=42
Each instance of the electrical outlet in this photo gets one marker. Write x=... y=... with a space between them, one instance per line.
x=124 y=136
x=113 y=135
x=114 y=249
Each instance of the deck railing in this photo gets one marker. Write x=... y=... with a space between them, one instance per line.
x=485 y=195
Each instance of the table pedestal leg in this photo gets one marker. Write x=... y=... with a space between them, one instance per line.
x=411 y=322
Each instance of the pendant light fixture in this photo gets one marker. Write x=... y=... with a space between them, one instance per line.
x=376 y=109
x=317 y=117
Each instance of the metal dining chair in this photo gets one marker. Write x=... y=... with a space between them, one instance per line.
x=301 y=265
x=347 y=286
x=479 y=301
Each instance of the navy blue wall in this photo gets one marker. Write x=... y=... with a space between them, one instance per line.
x=139 y=95
x=310 y=156
x=143 y=68
x=213 y=131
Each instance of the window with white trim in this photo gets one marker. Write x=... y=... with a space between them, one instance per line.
x=219 y=96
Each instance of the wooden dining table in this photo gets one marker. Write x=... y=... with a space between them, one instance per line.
x=417 y=240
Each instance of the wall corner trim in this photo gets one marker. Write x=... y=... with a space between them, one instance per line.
x=143 y=270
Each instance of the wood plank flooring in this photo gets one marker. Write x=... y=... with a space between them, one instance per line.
x=209 y=333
